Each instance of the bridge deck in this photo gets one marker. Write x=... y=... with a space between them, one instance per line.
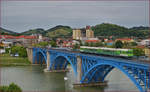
x=119 y=59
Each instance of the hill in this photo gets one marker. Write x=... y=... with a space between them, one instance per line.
x=59 y=31
x=104 y=29
x=8 y=32
x=107 y=29
x=34 y=31
x=140 y=28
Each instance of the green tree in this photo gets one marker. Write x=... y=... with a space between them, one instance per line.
x=91 y=44
x=53 y=43
x=86 y=44
x=76 y=46
x=133 y=44
x=20 y=50
x=14 y=88
x=118 y=44
x=43 y=44
x=11 y=88
x=7 y=50
x=126 y=45
x=1 y=47
x=99 y=44
x=138 y=52
x=14 y=49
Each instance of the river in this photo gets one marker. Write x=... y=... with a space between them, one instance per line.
x=32 y=78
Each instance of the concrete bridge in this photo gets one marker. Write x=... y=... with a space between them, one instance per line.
x=90 y=68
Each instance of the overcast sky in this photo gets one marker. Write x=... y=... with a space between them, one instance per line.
x=21 y=16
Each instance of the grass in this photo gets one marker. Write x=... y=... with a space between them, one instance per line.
x=7 y=60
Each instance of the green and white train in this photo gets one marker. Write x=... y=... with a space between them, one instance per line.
x=107 y=51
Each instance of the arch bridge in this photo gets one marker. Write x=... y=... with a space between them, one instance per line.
x=90 y=68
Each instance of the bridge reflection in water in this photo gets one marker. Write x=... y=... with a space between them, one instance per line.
x=90 y=68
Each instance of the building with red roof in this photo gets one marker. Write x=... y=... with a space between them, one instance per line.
x=92 y=41
x=125 y=40
x=25 y=40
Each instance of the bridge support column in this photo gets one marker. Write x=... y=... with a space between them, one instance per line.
x=30 y=54
x=79 y=69
x=47 y=62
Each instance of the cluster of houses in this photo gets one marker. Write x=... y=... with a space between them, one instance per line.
x=69 y=43
x=7 y=40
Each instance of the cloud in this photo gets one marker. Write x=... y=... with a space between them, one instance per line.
x=24 y=15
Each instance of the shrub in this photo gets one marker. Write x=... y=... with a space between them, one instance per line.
x=11 y=88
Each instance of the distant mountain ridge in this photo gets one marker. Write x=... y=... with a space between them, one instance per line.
x=107 y=29
x=104 y=29
x=34 y=31
x=5 y=31
x=140 y=28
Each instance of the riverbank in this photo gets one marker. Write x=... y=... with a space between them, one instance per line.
x=7 y=60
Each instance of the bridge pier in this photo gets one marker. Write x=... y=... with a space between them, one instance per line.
x=47 y=62
x=51 y=69
x=30 y=54
x=80 y=75
x=79 y=69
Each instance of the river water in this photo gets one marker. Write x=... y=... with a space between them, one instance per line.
x=32 y=78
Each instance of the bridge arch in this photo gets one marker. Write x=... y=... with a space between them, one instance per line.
x=40 y=52
x=63 y=63
x=112 y=66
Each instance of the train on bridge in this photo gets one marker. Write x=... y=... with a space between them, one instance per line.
x=117 y=52
x=107 y=51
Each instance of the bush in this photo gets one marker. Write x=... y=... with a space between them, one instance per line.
x=118 y=44
x=4 y=89
x=11 y=88
x=20 y=50
x=138 y=52
x=53 y=43
x=7 y=50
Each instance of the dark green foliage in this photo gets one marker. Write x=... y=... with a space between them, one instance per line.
x=1 y=47
x=99 y=44
x=7 y=50
x=140 y=28
x=41 y=44
x=53 y=43
x=104 y=29
x=134 y=44
x=86 y=44
x=59 y=31
x=6 y=32
x=4 y=88
x=138 y=52
x=118 y=44
x=76 y=46
x=91 y=44
x=58 y=27
x=11 y=88
x=34 y=31
x=20 y=50
x=107 y=29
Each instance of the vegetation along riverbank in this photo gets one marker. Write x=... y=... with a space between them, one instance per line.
x=11 y=88
x=7 y=60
